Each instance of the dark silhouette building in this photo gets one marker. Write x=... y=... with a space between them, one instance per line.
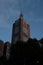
x=21 y=30
x=7 y=50
x=1 y=48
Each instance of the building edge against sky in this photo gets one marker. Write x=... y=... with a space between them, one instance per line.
x=21 y=30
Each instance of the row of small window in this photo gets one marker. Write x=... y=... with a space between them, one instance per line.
x=17 y=30
x=25 y=25
x=17 y=38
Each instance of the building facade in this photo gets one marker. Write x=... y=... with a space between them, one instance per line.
x=7 y=46
x=21 y=30
x=1 y=48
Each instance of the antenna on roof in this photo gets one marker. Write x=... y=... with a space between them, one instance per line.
x=21 y=12
x=21 y=15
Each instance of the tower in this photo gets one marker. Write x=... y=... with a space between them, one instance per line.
x=21 y=30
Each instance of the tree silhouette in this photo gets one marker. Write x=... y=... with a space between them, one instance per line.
x=24 y=53
x=41 y=41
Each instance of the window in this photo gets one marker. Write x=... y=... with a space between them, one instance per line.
x=25 y=30
x=8 y=52
x=25 y=38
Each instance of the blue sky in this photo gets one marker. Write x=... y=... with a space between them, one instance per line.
x=10 y=11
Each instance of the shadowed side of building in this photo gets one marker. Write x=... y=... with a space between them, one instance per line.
x=1 y=48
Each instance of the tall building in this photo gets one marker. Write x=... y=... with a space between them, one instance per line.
x=21 y=30
x=7 y=46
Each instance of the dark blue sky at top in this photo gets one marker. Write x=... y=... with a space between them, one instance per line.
x=32 y=12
